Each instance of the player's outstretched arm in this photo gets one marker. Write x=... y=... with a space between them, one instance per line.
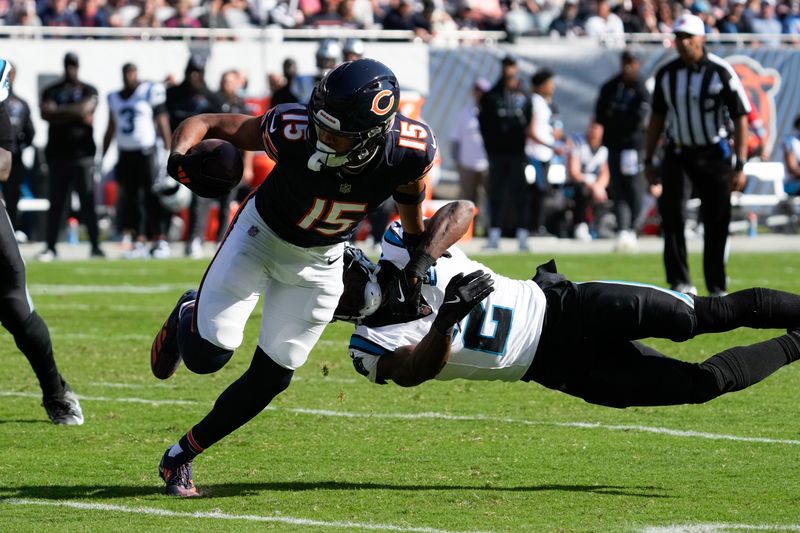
x=446 y=227
x=240 y=130
x=443 y=230
x=411 y=365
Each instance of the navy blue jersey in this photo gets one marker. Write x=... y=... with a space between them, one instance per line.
x=308 y=208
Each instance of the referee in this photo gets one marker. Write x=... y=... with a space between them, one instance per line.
x=696 y=97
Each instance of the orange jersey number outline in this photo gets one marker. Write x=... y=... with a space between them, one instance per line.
x=331 y=212
x=412 y=136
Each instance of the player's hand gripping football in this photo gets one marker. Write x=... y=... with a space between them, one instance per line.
x=460 y=296
x=210 y=169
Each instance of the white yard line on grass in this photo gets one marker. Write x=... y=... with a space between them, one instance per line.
x=103 y=307
x=100 y=335
x=462 y=418
x=719 y=528
x=97 y=289
x=106 y=399
x=218 y=515
x=586 y=425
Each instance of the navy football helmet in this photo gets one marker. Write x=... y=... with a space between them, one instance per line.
x=356 y=100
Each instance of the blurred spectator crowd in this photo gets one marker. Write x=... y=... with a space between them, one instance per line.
x=557 y=18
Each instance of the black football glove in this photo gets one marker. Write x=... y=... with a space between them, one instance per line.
x=404 y=294
x=188 y=170
x=460 y=296
x=404 y=298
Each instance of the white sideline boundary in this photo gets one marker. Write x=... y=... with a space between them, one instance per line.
x=719 y=528
x=218 y=515
x=460 y=418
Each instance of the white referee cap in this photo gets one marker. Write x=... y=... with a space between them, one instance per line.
x=688 y=23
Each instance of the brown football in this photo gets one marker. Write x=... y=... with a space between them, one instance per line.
x=223 y=162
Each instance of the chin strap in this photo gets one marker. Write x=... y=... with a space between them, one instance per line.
x=325 y=156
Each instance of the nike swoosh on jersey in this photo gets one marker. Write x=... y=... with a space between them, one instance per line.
x=333 y=260
x=402 y=297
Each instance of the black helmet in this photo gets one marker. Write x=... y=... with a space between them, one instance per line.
x=356 y=100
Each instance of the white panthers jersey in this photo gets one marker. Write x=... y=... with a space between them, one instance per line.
x=792 y=146
x=496 y=341
x=591 y=161
x=134 y=115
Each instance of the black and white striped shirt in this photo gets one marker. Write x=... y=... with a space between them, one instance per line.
x=699 y=101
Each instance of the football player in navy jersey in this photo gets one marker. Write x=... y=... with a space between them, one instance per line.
x=578 y=338
x=336 y=159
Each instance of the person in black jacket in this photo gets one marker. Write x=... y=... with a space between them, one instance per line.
x=504 y=117
x=69 y=107
x=621 y=109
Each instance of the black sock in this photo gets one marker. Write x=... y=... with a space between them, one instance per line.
x=243 y=399
x=738 y=368
x=754 y=308
x=33 y=340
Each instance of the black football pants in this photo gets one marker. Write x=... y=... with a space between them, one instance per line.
x=709 y=171
x=507 y=180
x=66 y=175
x=625 y=190
x=589 y=345
x=136 y=173
x=17 y=315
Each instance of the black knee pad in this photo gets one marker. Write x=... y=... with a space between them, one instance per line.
x=199 y=355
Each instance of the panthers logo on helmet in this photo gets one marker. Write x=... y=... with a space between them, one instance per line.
x=761 y=85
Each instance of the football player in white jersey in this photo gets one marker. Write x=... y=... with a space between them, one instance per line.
x=137 y=118
x=579 y=338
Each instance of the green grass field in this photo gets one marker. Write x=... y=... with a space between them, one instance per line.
x=337 y=453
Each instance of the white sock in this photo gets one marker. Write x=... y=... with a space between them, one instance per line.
x=175 y=450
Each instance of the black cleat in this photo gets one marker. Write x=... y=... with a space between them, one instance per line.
x=178 y=477
x=64 y=409
x=164 y=355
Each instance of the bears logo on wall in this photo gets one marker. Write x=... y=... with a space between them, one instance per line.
x=761 y=85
